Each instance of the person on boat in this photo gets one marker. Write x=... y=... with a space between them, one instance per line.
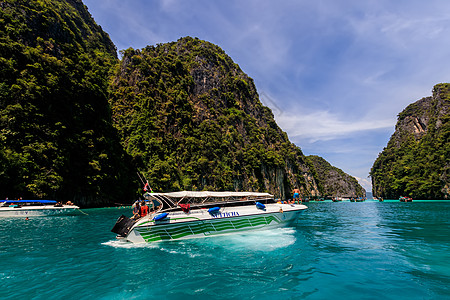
x=136 y=210
x=69 y=203
x=296 y=193
x=144 y=210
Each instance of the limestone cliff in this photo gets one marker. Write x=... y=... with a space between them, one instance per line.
x=416 y=161
x=333 y=182
x=193 y=120
x=56 y=136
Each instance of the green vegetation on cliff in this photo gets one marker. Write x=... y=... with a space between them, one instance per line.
x=192 y=119
x=334 y=182
x=416 y=161
x=56 y=136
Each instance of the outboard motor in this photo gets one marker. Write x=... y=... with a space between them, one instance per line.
x=123 y=225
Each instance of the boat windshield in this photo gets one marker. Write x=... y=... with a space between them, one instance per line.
x=153 y=204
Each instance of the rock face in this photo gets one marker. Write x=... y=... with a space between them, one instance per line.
x=57 y=140
x=190 y=115
x=416 y=161
x=333 y=182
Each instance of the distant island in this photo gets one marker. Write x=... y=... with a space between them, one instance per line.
x=416 y=160
x=333 y=182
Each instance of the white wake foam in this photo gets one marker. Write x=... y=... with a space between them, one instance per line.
x=258 y=240
x=128 y=245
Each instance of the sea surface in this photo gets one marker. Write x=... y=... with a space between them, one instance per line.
x=347 y=250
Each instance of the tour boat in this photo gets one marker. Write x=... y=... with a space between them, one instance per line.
x=187 y=214
x=34 y=208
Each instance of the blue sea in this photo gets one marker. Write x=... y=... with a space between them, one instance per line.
x=344 y=250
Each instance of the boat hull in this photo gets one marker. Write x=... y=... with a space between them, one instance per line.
x=40 y=211
x=203 y=224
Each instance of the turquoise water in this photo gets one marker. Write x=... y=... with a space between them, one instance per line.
x=341 y=250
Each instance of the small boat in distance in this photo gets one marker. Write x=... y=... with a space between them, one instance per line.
x=188 y=214
x=34 y=208
x=405 y=199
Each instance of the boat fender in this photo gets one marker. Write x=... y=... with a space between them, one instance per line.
x=281 y=210
x=214 y=210
x=260 y=205
x=160 y=217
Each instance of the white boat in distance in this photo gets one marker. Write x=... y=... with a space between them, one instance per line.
x=34 y=208
x=187 y=214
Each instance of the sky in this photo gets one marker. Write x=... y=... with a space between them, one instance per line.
x=335 y=73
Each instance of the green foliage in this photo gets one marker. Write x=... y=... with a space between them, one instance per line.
x=417 y=166
x=56 y=135
x=332 y=181
x=194 y=120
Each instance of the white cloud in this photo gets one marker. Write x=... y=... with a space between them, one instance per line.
x=324 y=126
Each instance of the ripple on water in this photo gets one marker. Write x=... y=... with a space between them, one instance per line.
x=357 y=250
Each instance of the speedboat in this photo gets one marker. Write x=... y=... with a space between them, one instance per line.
x=188 y=214
x=34 y=208
x=405 y=199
